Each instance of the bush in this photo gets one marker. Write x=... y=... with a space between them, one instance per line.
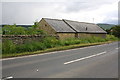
x=31 y=46
x=18 y=30
x=13 y=30
x=8 y=47
x=111 y=37
x=116 y=31
x=49 y=42
x=34 y=31
x=69 y=41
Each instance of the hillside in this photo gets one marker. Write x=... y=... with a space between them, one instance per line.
x=106 y=26
x=21 y=25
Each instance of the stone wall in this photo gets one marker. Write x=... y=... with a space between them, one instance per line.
x=21 y=39
x=82 y=35
x=43 y=25
x=66 y=35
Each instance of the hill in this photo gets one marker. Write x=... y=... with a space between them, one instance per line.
x=26 y=26
x=106 y=26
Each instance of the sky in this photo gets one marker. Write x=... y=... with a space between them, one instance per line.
x=29 y=11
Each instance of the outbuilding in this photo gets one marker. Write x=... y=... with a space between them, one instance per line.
x=70 y=29
x=84 y=29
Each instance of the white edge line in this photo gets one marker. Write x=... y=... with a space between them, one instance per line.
x=49 y=53
x=85 y=58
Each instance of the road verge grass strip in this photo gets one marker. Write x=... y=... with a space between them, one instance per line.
x=53 y=49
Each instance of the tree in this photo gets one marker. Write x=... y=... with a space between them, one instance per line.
x=108 y=31
x=19 y=30
x=13 y=30
x=116 y=31
x=35 y=25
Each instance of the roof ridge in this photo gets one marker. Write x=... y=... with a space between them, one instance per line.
x=72 y=25
x=56 y=25
x=68 y=20
x=79 y=22
x=52 y=19
x=69 y=25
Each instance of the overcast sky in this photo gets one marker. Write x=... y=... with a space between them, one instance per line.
x=29 y=11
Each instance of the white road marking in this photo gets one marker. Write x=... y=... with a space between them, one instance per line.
x=37 y=70
x=117 y=48
x=85 y=58
x=10 y=77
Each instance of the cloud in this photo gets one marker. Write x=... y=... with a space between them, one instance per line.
x=0 y=13
x=119 y=13
x=78 y=10
x=83 y=6
x=25 y=13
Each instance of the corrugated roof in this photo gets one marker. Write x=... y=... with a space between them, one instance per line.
x=84 y=27
x=73 y=26
x=58 y=25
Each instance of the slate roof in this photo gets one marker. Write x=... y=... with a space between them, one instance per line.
x=59 y=25
x=73 y=26
x=84 y=27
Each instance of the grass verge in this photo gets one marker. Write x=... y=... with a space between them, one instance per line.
x=54 y=49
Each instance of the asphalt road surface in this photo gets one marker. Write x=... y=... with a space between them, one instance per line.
x=100 y=61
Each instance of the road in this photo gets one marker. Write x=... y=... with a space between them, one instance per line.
x=100 y=61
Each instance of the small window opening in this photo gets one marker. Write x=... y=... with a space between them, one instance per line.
x=86 y=28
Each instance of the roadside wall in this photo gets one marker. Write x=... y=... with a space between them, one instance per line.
x=21 y=39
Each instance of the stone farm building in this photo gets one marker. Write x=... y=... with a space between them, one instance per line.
x=70 y=29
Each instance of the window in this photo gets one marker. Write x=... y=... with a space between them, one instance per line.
x=86 y=28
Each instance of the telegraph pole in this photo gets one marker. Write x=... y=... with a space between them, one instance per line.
x=93 y=20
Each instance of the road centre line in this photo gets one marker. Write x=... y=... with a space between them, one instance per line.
x=7 y=78
x=69 y=62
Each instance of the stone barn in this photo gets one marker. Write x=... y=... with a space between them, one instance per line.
x=70 y=29
x=84 y=29
x=56 y=27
